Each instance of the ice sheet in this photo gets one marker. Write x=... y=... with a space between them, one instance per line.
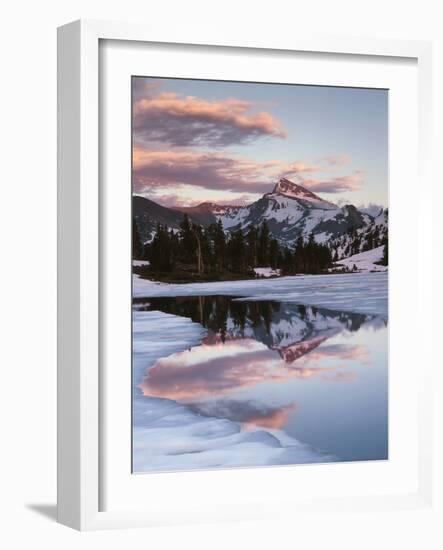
x=355 y=292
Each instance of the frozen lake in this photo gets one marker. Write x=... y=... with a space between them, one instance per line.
x=282 y=371
x=357 y=292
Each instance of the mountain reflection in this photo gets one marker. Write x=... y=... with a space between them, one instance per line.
x=254 y=352
x=270 y=322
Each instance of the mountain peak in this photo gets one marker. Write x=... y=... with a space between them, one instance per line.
x=291 y=189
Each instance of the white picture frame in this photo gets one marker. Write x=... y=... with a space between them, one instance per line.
x=80 y=206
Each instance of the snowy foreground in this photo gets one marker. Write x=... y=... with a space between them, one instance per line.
x=170 y=436
x=354 y=292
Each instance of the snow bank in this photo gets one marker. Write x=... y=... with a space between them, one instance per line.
x=170 y=436
x=140 y=263
x=156 y=334
x=365 y=261
x=267 y=272
x=354 y=292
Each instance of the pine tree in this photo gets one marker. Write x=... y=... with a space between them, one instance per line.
x=299 y=256
x=251 y=239
x=385 y=259
x=310 y=256
x=187 y=241
x=273 y=254
x=160 y=250
x=198 y=235
x=218 y=238
x=137 y=245
x=263 y=245
x=237 y=252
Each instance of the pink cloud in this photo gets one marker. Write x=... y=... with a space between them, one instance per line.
x=336 y=160
x=299 y=167
x=191 y=121
x=338 y=184
x=153 y=170
x=143 y=88
x=249 y=413
x=301 y=172
x=222 y=369
x=181 y=200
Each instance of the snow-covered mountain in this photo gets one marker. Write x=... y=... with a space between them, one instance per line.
x=290 y=211
x=369 y=236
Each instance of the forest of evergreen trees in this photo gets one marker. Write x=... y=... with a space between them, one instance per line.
x=197 y=253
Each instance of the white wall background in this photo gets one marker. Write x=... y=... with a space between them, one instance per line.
x=28 y=271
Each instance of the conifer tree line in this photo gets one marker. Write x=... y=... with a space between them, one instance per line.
x=206 y=251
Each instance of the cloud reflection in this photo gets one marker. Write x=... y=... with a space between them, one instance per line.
x=216 y=370
x=250 y=413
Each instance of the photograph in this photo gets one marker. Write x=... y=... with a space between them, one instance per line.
x=259 y=274
x=227 y=225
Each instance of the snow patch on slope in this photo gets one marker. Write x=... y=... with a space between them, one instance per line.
x=365 y=261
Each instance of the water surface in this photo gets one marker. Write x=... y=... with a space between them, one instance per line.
x=313 y=374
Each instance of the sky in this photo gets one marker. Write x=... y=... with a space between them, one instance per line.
x=200 y=141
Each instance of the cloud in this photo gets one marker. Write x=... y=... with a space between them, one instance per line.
x=247 y=412
x=188 y=195
x=143 y=88
x=221 y=370
x=159 y=169
x=298 y=167
x=336 y=160
x=154 y=171
x=180 y=120
x=338 y=184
